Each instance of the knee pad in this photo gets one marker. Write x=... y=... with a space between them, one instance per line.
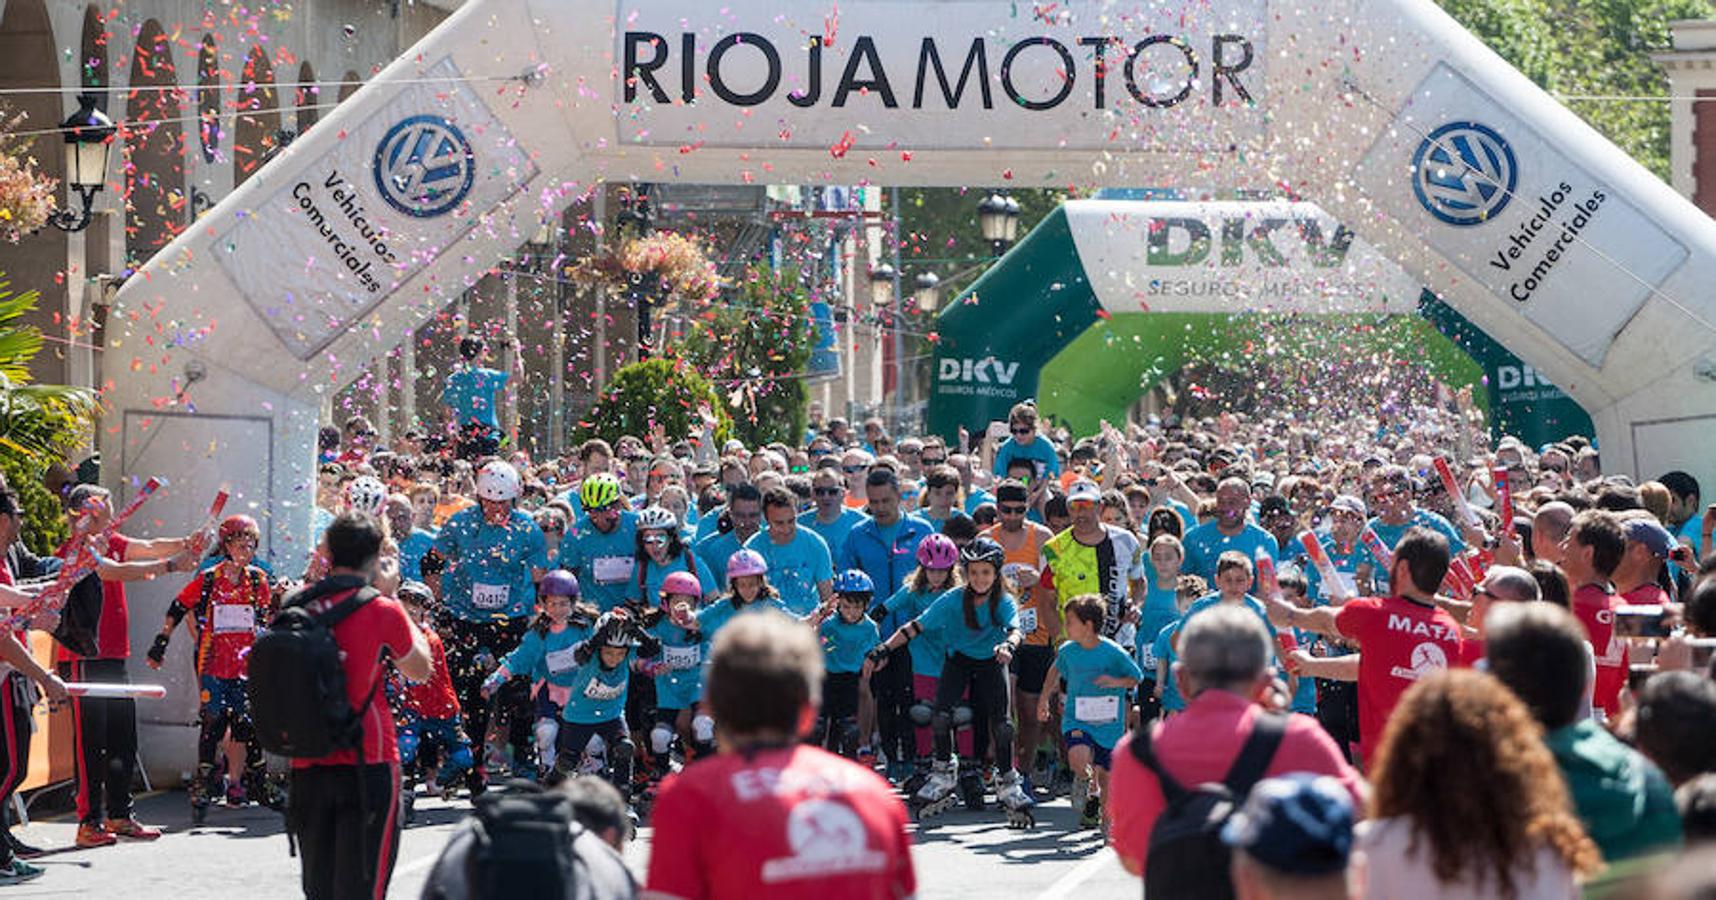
x=961 y=716
x=620 y=753
x=921 y=714
x=702 y=728
x=547 y=732
x=243 y=730
x=408 y=744
x=460 y=759
x=660 y=739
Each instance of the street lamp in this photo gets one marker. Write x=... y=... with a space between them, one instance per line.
x=882 y=278
x=89 y=139
x=998 y=217
x=928 y=284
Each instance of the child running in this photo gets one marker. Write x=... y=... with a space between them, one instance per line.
x=1097 y=672
x=226 y=604
x=846 y=634
x=980 y=627
x=429 y=711
x=936 y=574
x=679 y=685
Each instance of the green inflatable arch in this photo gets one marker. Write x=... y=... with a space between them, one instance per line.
x=1104 y=299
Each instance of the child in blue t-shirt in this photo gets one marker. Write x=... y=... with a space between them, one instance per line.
x=847 y=634
x=546 y=657
x=1098 y=673
x=596 y=706
x=1167 y=694
x=1295 y=590
x=679 y=683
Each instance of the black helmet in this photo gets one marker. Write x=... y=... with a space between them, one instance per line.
x=983 y=550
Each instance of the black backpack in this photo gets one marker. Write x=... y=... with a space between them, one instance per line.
x=297 y=683
x=80 y=617
x=1187 y=857
x=523 y=844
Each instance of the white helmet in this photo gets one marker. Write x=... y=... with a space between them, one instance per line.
x=498 y=481
x=657 y=517
x=366 y=494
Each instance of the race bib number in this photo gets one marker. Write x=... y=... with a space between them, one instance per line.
x=681 y=657
x=612 y=569
x=490 y=596
x=563 y=660
x=234 y=617
x=1097 y=710
x=1027 y=621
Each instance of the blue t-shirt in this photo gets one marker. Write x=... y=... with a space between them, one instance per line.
x=845 y=643
x=606 y=564
x=1251 y=603
x=796 y=567
x=711 y=618
x=714 y=551
x=1163 y=651
x=946 y=618
x=1038 y=451
x=1423 y=518
x=411 y=552
x=598 y=694
x=655 y=573
x=976 y=497
x=489 y=566
x=547 y=657
x=834 y=533
x=320 y=519
x=682 y=684
x=1345 y=563
x=927 y=650
x=1305 y=695
x=471 y=394
x=1160 y=608
x=1205 y=544
x=1097 y=711
x=707 y=525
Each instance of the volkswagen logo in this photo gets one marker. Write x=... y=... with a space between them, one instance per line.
x=1464 y=173
x=424 y=166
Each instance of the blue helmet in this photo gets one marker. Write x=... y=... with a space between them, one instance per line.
x=853 y=581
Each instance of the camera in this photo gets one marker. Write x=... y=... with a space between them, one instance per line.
x=1641 y=621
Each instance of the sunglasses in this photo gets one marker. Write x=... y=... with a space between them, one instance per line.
x=1013 y=510
x=934 y=460
x=1081 y=504
x=1021 y=430
x=850 y=470
x=829 y=492
x=552 y=529
x=655 y=539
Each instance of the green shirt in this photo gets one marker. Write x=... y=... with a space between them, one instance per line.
x=1624 y=800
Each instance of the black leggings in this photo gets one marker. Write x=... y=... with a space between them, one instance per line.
x=574 y=737
x=988 y=681
x=16 y=699
x=891 y=686
x=346 y=821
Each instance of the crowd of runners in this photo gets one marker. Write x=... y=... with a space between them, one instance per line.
x=1275 y=600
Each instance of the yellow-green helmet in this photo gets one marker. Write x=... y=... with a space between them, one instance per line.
x=598 y=491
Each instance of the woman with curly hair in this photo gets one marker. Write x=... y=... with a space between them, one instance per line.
x=1467 y=801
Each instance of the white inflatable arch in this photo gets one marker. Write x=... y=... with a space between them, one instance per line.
x=1384 y=112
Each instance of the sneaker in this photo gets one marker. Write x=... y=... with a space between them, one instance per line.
x=19 y=871
x=1092 y=814
x=91 y=834
x=132 y=829
x=23 y=850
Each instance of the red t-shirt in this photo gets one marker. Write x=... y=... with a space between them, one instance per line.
x=1647 y=594
x=786 y=822
x=1400 y=641
x=227 y=628
x=377 y=625
x=1595 y=607
x=113 y=632
x=435 y=698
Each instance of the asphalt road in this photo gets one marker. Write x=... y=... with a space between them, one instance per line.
x=241 y=855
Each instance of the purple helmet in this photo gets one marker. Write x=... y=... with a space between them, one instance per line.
x=937 y=551
x=558 y=583
x=746 y=562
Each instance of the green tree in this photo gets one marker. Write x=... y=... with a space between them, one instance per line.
x=40 y=424
x=754 y=344
x=661 y=397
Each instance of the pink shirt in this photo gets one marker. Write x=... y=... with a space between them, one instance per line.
x=1197 y=747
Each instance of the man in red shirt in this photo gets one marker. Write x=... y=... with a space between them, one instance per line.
x=768 y=816
x=336 y=801
x=1224 y=667
x=1401 y=638
x=1648 y=546
x=1590 y=552
x=106 y=728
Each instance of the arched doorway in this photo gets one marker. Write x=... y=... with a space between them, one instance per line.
x=27 y=61
x=308 y=98
x=258 y=128
x=209 y=131
x=154 y=148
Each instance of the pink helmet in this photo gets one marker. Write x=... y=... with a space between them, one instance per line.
x=681 y=583
x=937 y=551
x=746 y=562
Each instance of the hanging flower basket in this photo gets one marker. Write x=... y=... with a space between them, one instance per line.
x=655 y=266
x=26 y=198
